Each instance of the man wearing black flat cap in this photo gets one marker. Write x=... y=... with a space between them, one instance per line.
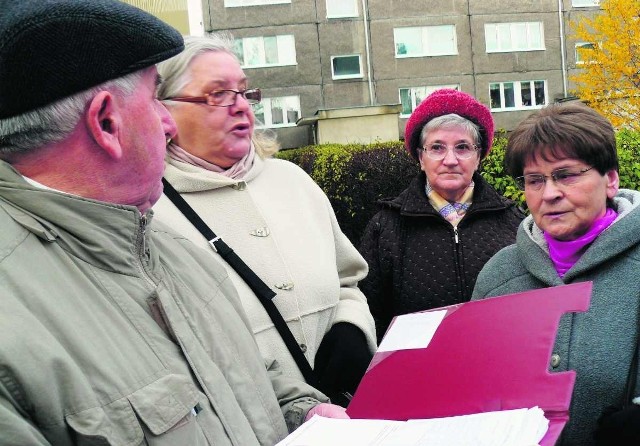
x=113 y=330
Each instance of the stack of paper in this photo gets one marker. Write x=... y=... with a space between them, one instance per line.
x=519 y=427
x=476 y=357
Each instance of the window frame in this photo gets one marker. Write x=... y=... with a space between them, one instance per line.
x=517 y=93
x=577 y=59
x=512 y=30
x=360 y=74
x=354 y=13
x=267 y=108
x=425 y=42
x=587 y=3
x=428 y=90
x=262 y=51
x=245 y=3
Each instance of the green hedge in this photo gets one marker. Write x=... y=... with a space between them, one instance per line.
x=355 y=176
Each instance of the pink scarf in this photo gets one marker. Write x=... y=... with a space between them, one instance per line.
x=565 y=253
x=237 y=171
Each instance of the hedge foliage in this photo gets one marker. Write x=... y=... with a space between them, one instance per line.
x=355 y=176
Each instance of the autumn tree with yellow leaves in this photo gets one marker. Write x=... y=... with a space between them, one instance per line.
x=609 y=76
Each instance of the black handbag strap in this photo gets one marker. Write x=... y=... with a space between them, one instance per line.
x=261 y=290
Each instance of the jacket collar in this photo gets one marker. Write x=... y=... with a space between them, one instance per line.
x=106 y=235
x=413 y=201
x=617 y=238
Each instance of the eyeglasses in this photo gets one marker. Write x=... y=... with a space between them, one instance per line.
x=223 y=98
x=562 y=177
x=462 y=151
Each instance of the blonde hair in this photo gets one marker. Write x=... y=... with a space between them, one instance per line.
x=175 y=75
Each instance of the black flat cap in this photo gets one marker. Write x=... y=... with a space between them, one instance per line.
x=51 y=49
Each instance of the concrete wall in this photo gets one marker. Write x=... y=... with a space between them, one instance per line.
x=217 y=17
x=358 y=129
x=337 y=38
x=547 y=59
x=387 y=66
x=392 y=9
x=318 y=38
x=498 y=8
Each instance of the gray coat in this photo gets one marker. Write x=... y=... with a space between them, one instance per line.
x=113 y=332
x=597 y=344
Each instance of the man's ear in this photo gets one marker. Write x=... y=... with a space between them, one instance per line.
x=104 y=123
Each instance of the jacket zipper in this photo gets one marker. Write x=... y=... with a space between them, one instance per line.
x=458 y=262
x=143 y=230
x=143 y=256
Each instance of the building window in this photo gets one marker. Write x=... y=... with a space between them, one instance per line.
x=341 y=8
x=184 y=15
x=282 y=111
x=425 y=41
x=240 y=3
x=520 y=95
x=412 y=96
x=584 y=3
x=517 y=36
x=271 y=51
x=346 y=67
x=584 y=52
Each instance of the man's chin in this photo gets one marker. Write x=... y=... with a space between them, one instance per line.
x=153 y=199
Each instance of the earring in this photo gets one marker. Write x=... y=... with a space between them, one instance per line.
x=168 y=141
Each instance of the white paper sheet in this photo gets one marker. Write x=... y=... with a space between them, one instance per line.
x=520 y=427
x=411 y=331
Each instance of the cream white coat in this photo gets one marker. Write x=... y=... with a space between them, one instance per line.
x=283 y=226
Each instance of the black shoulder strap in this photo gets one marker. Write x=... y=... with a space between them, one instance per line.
x=261 y=290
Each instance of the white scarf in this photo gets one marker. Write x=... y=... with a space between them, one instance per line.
x=237 y=171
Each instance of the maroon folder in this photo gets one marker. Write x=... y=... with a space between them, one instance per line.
x=485 y=356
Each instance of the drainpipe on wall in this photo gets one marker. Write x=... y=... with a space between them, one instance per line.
x=365 y=20
x=562 y=50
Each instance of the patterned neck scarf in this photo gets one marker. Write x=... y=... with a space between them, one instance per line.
x=452 y=212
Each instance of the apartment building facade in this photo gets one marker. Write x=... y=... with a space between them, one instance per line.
x=308 y=55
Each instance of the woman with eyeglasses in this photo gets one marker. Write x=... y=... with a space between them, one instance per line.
x=269 y=211
x=426 y=247
x=581 y=228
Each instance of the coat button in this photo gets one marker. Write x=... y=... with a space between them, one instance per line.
x=303 y=347
x=286 y=286
x=260 y=232
x=555 y=360
x=240 y=185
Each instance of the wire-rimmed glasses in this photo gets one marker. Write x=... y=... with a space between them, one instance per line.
x=563 y=177
x=462 y=151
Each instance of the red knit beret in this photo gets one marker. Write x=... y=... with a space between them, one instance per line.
x=443 y=102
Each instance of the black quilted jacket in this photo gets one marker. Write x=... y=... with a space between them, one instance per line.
x=418 y=261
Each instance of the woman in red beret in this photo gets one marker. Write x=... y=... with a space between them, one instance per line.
x=426 y=247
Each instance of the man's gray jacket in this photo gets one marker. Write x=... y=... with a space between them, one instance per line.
x=112 y=332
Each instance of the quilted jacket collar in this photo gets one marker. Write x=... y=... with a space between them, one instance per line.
x=413 y=201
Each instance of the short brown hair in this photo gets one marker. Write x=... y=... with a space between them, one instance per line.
x=563 y=130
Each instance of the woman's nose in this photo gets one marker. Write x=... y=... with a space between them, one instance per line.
x=240 y=103
x=450 y=157
x=550 y=190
